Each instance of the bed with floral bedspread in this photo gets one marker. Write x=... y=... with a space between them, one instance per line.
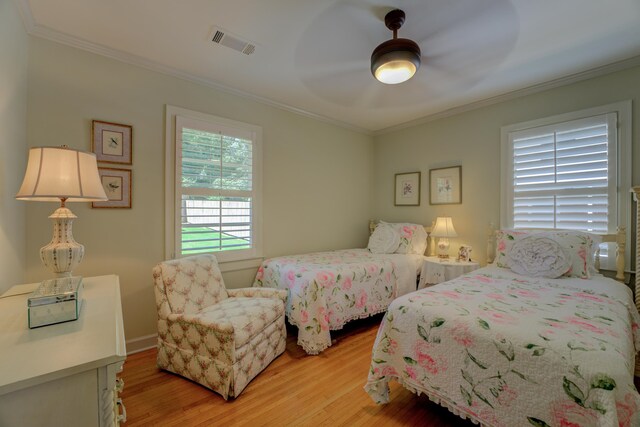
x=507 y=350
x=328 y=289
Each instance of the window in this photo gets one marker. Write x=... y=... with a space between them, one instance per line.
x=569 y=172
x=215 y=200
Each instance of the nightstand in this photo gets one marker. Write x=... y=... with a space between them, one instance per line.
x=436 y=270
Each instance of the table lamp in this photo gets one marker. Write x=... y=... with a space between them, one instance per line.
x=443 y=229
x=61 y=174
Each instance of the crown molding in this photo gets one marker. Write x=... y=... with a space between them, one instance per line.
x=530 y=90
x=47 y=33
x=56 y=36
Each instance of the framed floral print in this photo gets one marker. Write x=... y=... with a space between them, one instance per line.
x=111 y=142
x=445 y=186
x=407 y=189
x=117 y=186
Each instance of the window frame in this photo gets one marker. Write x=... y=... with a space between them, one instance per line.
x=623 y=161
x=231 y=259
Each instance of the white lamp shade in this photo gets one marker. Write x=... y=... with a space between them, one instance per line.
x=444 y=228
x=55 y=173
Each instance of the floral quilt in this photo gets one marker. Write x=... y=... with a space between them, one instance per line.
x=507 y=350
x=328 y=289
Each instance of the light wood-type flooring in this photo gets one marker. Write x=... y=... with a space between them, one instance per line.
x=294 y=390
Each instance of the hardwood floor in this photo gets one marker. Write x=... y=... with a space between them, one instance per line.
x=294 y=390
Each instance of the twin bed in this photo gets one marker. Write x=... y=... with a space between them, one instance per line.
x=506 y=349
x=328 y=289
x=496 y=347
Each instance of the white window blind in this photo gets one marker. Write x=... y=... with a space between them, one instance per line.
x=569 y=171
x=564 y=175
x=215 y=189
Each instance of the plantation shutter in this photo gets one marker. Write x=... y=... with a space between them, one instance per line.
x=214 y=171
x=564 y=175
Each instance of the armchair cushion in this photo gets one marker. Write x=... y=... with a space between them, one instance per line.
x=246 y=316
x=259 y=292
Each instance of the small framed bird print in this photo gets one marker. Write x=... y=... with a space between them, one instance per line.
x=117 y=186
x=111 y=142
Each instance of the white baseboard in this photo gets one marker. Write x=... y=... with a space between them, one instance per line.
x=143 y=343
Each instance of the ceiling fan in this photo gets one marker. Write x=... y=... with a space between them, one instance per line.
x=453 y=43
x=396 y=60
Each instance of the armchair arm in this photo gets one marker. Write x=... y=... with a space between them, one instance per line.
x=197 y=333
x=258 y=293
x=184 y=320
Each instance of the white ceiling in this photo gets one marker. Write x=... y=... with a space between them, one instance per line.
x=313 y=56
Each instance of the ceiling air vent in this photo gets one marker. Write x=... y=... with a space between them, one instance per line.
x=224 y=38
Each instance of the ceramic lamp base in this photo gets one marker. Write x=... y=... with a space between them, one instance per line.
x=443 y=247
x=63 y=253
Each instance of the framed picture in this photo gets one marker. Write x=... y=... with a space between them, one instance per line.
x=445 y=186
x=111 y=142
x=407 y=191
x=117 y=185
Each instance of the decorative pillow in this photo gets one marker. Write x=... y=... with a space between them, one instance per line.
x=419 y=240
x=504 y=242
x=413 y=237
x=536 y=256
x=384 y=239
x=578 y=246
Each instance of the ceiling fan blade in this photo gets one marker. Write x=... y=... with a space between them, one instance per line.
x=328 y=69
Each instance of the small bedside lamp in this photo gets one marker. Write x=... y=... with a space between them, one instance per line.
x=61 y=174
x=443 y=229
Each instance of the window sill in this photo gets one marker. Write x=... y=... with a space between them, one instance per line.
x=244 y=264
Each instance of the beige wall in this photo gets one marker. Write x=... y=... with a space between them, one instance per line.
x=319 y=181
x=13 y=143
x=317 y=177
x=472 y=139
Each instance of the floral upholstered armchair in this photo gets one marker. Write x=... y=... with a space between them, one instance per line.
x=220 y=338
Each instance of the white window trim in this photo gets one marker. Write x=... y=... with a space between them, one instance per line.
x=228 y=261
x=624 y=161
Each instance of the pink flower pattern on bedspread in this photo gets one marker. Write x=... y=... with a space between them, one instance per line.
x=507 y=351
x=328 y=289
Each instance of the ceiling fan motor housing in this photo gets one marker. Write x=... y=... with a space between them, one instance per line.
x=394 y=19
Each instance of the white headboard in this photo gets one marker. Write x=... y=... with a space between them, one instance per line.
x=620 y=238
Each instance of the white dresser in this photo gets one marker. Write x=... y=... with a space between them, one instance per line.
x=63 y=374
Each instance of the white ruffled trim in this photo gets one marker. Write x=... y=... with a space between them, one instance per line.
x=314 y=349
x=373 y=388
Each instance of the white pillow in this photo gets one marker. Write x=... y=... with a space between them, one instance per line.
x=419 y=241
x=536 y=256
x=413 y=237
x=384 y=239
x=578 y=245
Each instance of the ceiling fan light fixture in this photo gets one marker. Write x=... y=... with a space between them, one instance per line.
x=396 y=60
